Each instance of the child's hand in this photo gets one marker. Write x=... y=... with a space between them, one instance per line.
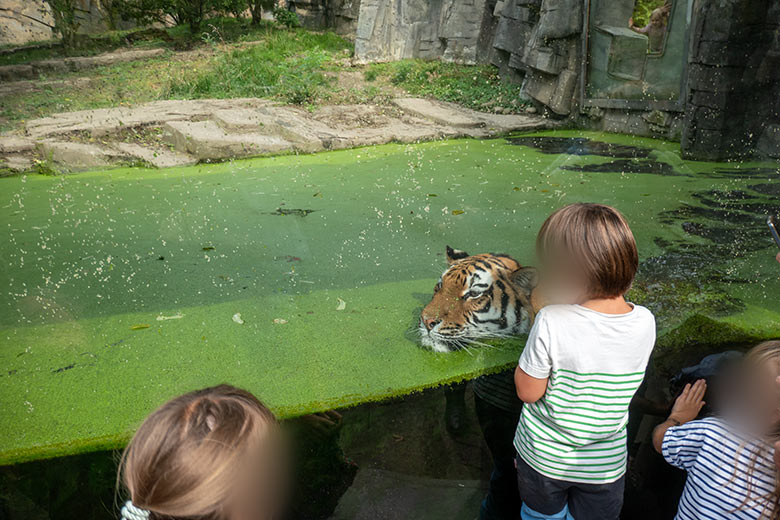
x=690 y=402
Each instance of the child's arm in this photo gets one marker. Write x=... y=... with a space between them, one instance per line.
x=529 y=389
x=685 y=409
x=534 y=367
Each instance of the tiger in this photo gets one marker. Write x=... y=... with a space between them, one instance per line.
x=480 y=296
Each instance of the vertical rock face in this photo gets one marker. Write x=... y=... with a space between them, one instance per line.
x=540 y=40
x=452 y=30
x=339 y=15
x=534 y=39
x=23 y=21
x=733 y=97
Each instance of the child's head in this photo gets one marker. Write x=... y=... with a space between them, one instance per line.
x=751 y=400
x=211 y=454
x=586 y=251
x=659 y=17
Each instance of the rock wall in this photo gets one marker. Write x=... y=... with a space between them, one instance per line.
x=733 y=98
x=338 y=15
x=535 y=40
x=540 y=41
x=23 y=21
x=452 y=30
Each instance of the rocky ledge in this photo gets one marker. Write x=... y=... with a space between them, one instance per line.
x=171 y=133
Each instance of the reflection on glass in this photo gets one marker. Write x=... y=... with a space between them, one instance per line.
x=655 y=30
x=642 y=60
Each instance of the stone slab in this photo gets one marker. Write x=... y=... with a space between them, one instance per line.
x=206 y=141
x=106 y=121
x=437 y=112
x=217 y=129
x=63 y=65
x=16 y=162
x=158 y=157
x=306 y=134
x=78 y=156
x=15 y=144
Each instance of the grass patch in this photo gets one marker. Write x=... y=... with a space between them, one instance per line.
x=478 y=87
x=287 y=65
x=115 y=85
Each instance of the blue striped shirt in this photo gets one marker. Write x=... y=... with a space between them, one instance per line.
x=728 y=477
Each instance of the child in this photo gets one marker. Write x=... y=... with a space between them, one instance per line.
x=656 y=29
x=729 y=460
x=213 y=453
x=584 y=359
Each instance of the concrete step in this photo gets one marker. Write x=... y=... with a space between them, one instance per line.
x=158 y=157
x=80 y=156
x=16 y=162
x=15 y=144
x=206 y=140
x=306 y=134
x=438 y=112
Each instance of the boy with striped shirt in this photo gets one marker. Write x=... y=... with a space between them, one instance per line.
x=585 y=358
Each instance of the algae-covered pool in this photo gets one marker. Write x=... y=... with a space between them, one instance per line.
x=301 y=277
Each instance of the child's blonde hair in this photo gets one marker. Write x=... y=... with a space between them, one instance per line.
x=211 y=454
x=598 y=238
x=760 y=357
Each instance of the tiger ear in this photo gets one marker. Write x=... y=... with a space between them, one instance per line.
x=453 y=255
x=526 y=278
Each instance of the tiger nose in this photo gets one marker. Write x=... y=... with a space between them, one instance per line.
x=430 y=323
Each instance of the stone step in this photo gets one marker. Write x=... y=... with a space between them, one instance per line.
x=15 y=144
x=158 y=157
x=107 y=121
x=80 y=156
x=16 y=162
x=206 y=140
x=438 y=112
x=63 y=65
x=306 y=134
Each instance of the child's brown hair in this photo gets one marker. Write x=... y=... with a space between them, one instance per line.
x=598 y=239
x=198 y=455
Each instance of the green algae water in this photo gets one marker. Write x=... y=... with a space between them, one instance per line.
x=301 y=278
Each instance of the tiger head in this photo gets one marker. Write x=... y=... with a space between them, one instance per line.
x=480 y=296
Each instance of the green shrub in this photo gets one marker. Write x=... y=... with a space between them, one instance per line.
x=286 y=17
x=370 y=74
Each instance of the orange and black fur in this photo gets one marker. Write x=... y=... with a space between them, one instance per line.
x=477 y=297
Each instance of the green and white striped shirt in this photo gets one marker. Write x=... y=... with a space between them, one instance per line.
x=595 y=363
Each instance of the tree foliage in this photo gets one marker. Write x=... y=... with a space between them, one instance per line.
x=286 y=17
x=189 y=12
